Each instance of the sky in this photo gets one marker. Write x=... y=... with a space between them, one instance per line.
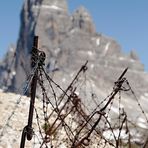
x=124 y=20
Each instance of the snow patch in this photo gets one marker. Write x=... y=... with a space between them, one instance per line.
x=11 y=49
x=121 y=58
x=106 y=48
x=73 y=31
x=142 y=125
x=141 y=120
x=146 y=94
x=48 y=7
x=89 y=53
x=121 y=106
x=56 y=51
x=64 y=80
x=54 y=7
x=115 y=109
x=13 y=73
x=143 y=98
x=77 y=93
x=92 y=84
x=72 y=74
x=131 y=60
x=1 y=90
x=98 y=41
x=92 y=66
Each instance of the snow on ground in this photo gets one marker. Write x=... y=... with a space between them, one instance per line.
x=98 y=41
x=48 y=7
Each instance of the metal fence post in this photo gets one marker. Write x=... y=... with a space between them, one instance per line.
x=28 y=131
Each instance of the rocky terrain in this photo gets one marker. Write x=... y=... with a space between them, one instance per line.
x=14 y=109
x=69 y=40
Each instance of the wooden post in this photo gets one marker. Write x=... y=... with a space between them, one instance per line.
x=28 y=131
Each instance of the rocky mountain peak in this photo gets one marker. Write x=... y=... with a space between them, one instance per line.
x=66 y=39
x=83 y=12
x=133 y=55
x=82 y=19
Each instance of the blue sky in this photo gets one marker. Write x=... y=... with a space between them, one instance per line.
x=124 y=20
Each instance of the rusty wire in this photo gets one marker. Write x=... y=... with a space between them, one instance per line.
x=66 y=113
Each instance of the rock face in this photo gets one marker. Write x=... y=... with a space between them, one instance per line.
x=7 y=69
x=71 y=39
x=68 y=41
x=51 y=29
x=14 y=118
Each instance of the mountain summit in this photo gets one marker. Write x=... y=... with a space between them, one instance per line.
x=66 y=39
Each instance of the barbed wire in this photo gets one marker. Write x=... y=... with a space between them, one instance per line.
x=65 y=113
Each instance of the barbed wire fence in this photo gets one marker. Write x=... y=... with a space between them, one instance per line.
x=65 y=119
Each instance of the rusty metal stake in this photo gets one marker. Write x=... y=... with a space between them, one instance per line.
x=28 y=131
